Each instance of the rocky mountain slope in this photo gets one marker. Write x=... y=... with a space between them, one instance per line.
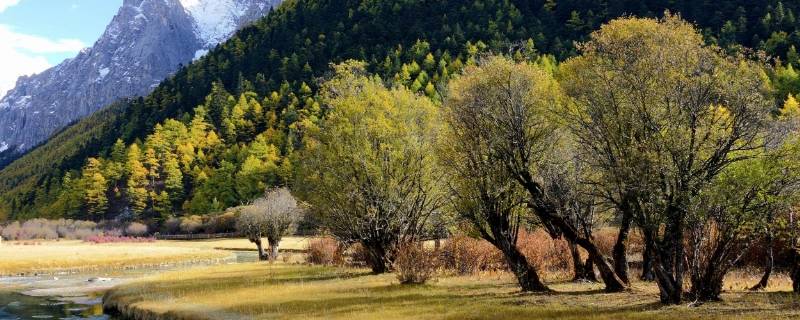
x=145 y=42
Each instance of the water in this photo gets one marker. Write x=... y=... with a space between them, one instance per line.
x=16 y=306
x=72 y=296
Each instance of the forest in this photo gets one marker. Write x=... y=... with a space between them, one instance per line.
x=279 y=61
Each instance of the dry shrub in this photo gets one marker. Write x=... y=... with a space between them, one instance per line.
x=544 y=252
x=117 y=239
x=605 y=239
x=136 y=229
x=414 y=264
x=324 y=251
x=466 y=255
x=223 y=223
x=358 y=256
x=172 y=226
x=52 y=229
x=191 y=224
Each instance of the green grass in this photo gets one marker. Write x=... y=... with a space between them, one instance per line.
x=284 y=291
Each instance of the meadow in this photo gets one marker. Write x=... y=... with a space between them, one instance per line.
x=295 y=291
x=32 y=257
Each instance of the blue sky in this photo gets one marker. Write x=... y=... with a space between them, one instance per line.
x=38 y=34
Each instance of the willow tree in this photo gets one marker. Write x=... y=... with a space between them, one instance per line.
x=369 y=172
x=500 y=113
x=272 y=216
x=659 y=114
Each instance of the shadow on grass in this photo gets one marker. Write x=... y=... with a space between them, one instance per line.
x=240 y=280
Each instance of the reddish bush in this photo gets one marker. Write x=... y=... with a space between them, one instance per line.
x=545 y=253
x=466 y=255
x=359 y=257
x=325 y=251
x=117 y=239
x=414 y=264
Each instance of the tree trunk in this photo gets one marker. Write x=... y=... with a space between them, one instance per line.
x=668 y=267
x=795 y=275
x=377 y=258
x=545 y=212
x=578 y=265
x=647 y=263
x=619 y=253
x=262 y=256
x=769 y=263
x=708 y=288
x=527 y=277
x=588 y=270
x=796 y=278
x=273 y=249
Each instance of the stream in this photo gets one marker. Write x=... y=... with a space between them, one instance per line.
x=73 y=296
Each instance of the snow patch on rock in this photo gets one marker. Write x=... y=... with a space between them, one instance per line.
x=200 y=53
x=216 y=19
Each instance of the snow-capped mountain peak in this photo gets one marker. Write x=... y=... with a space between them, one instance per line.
x=215 y=20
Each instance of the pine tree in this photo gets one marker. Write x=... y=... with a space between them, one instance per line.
x=137 y=181
x=173 y=182
x=790 y=109
x=95 y=187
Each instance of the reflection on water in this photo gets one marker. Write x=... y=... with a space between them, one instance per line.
x=15 y=306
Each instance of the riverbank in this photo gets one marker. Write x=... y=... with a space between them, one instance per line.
x=66 y=279
x=292 y=291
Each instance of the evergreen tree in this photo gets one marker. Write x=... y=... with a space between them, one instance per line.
x=95 y=187
x=137 y=181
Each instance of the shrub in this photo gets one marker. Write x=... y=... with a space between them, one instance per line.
x=53 y=229
x=414 y=264
x=544 y=252
x=136 y=229
x=223 y=223
x=117 y=239
x=325 y=251
x=466 y=255
x=359 y=257
x=172 y=226
x=191 y=224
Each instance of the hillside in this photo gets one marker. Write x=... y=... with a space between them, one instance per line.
x=257 y=93
x=146 y=41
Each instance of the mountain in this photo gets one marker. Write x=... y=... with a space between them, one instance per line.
x=257 y=93
x=144 y=43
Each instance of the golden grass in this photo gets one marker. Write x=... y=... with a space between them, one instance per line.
x=54 y=256
x=288 y=243
x=282 y=291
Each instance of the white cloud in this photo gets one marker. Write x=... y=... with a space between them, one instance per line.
x=22 y=54
x=5 y=4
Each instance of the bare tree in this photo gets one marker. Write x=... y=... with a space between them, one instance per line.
x=271 y=217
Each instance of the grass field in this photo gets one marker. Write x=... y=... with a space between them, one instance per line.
x=29 y=257
x=288 y=243
x=55 y=256
x=283 y=291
